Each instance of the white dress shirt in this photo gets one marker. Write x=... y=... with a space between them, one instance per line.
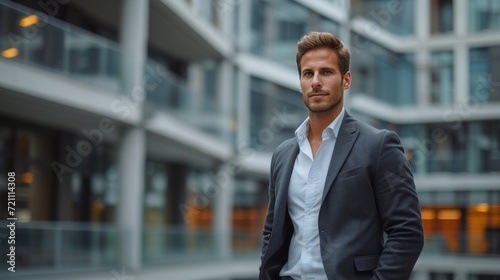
x=304 y=202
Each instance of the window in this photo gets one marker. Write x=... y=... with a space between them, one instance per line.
x=275 y=113
x=448 y=154
x=249 y=211
x=394 y=16
x=441 y=16
x=278 y=25
x=484 y=74
x=380 y=73
x=461 y=222
x=442 y=78
x=484 y=14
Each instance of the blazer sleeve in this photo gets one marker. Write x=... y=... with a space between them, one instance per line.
x=399 y=211
x=268 y=223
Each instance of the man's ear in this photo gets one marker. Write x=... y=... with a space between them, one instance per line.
x=347 y=79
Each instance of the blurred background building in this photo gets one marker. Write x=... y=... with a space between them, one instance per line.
x=141 y=131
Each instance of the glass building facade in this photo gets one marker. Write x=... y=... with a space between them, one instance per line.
x=141 y=132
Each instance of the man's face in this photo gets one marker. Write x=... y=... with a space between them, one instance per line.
x=321 y=82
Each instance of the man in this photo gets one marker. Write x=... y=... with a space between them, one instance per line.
x=338 y=186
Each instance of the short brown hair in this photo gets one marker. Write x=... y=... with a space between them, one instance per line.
x=315 y=40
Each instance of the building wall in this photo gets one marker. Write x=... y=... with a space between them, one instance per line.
x=141 y=131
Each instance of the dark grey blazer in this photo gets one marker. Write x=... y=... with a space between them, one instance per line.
x=369 y=190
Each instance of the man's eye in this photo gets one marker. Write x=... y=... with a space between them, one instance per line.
x=327 y=72
x=307 y=74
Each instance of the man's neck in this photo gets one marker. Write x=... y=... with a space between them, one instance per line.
x=319 y=121
x=317 y=124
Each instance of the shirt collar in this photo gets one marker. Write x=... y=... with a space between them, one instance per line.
x=331 y=130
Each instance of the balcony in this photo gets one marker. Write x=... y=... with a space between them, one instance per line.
x=42 y=41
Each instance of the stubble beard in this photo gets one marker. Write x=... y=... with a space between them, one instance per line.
x=325 y=109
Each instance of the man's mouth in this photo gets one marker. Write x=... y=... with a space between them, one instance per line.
x=317 y=94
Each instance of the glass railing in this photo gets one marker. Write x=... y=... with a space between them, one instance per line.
x=456 y=162
x=274 y=118
x=485 y=244
x=45 y=247
x=264 y=139
x=246 y=242
x=166 y=91
x=178 y=244
x=40 y=40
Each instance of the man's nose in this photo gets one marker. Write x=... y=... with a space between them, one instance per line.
x=316 y=81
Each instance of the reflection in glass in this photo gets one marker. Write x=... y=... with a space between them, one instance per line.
x=442 y=78
x=275 y=114
x=484 y=74
x=393 y=16
x=380 y=73
x=484 y=14
x=59 y=46
x=277 y=26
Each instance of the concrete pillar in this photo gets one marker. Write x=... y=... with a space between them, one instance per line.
x=422 y=78
x=132 y=150
x=134 y=39
x=243 y=137
x=460 y=17
x=422 y=19
x=196 y=82
x=244 y=25
x=461 y=52
x=422 y=61
x=225 y=96
x=131 y=160
x=344 y=28
x=223 y=209
x=461 y=69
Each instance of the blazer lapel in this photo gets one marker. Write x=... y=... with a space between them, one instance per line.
x=345 y=140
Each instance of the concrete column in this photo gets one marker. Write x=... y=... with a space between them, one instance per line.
x=225 y=95
x=196 y=83
x=223 y=209
x=344 y=28
x=225 y=13
x=422 y=19
x=245 y=21
x=134 y=39
x=422 y=78
x=461 y=52
x=460 y=17
x=131 y=160
x=132 y=150
x=422 y=74
x=461 y=73
x=243 y=138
